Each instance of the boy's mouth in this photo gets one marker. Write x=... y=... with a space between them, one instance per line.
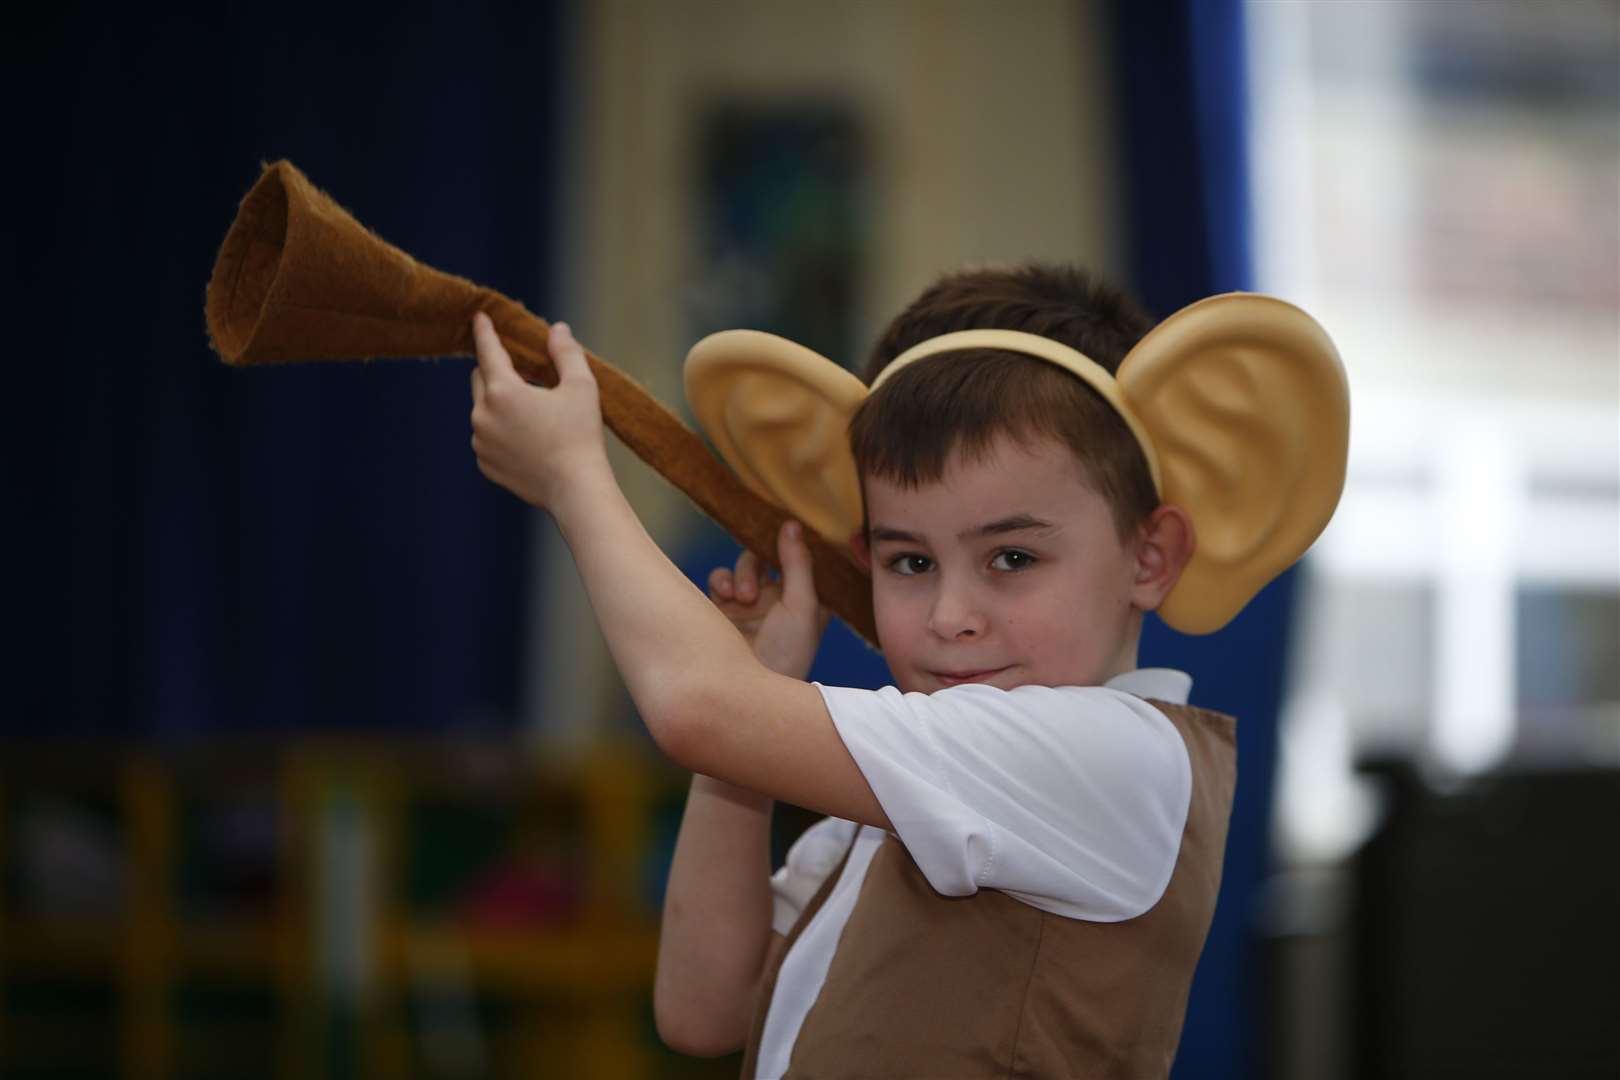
x=957 y=678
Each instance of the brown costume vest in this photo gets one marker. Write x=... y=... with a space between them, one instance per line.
x=957 y=988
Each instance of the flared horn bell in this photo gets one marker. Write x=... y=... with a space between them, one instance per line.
x=298 y=278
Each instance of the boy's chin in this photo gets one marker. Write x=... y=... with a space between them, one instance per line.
x=993 y=677
x=1007 y=678
x=928 y=682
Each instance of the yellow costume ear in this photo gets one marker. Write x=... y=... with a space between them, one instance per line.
x=778 y=414
x=1247 y=404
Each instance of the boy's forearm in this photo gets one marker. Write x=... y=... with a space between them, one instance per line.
x=665 y=637
x=708 y=702
x=717 y=919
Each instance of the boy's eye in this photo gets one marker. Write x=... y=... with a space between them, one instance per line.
x=1012 y=559
x=910 y=565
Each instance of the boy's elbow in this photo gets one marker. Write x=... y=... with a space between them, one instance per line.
x=697 y=1043
x=680 y=721
x=686 y=1031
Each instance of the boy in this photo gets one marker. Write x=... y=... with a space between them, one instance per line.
x=1022 y=853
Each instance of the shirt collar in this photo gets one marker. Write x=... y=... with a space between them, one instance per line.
x=1165 y=684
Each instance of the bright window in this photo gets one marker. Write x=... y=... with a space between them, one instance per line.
x=1439 y=184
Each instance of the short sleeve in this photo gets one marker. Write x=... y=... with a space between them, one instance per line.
x=813 y=856
x=1072 y=799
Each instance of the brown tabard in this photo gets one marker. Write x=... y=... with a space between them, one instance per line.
x=931 y=986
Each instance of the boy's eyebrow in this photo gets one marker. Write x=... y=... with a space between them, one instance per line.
x=1010 y=523
x=885 y=532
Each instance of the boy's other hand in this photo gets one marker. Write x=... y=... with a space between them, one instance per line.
x=536 y=443
x=782 y=619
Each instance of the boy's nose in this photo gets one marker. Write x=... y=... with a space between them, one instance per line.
x=956 y=614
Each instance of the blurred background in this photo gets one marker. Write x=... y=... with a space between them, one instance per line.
x=312 y=763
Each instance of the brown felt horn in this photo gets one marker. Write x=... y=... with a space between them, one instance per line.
x=298 y=278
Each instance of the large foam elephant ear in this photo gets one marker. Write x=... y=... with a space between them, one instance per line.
x=1248 y=407
x=778 y=413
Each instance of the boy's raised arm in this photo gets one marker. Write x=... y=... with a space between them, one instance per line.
x=707 y=701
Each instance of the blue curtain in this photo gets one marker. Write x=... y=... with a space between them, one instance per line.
x=1182 y=77
x=211 y=550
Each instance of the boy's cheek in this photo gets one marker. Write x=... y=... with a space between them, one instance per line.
x=892 y=622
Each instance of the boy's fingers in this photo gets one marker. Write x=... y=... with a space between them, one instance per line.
x=566 y=353
x=477 y=386
x=746 y=576
x=720 y=582
x=493 y=359
x=798 y=578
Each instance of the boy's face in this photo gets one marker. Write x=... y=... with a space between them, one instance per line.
x=1008 y=571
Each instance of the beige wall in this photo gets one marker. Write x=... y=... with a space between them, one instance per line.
x=990 y=138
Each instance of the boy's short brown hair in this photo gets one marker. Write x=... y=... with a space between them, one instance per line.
x=961 y=401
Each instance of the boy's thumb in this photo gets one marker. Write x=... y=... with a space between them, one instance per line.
x=567 y=354
x=798 y=579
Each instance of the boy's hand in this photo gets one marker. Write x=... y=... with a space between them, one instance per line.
x=536 y=443
x=782 y=620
